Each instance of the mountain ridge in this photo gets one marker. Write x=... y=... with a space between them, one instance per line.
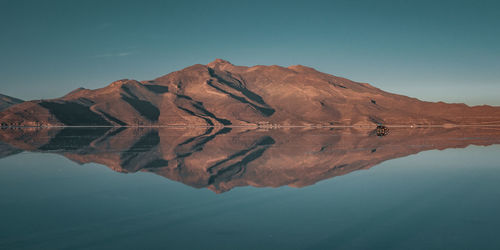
x=7 y=101
x=223 y=94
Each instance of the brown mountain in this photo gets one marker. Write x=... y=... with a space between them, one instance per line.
x=220 y=93
x=7 y=101
x=223 y=158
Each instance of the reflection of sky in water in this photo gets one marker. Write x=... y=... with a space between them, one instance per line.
x=435 y=199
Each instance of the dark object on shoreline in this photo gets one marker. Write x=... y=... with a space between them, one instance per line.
x=382 y=130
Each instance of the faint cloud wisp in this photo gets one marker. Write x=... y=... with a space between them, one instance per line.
x=103 y=26
x=119 y=54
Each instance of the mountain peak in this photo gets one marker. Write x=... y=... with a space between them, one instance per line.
x=218 y=62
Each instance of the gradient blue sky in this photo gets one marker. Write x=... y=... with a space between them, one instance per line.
x=432 y=50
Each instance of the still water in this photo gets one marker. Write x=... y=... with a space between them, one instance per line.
x=236 y=188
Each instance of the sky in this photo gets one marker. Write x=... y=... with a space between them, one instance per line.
x=433 y=50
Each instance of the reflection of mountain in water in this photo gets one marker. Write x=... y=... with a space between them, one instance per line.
x=223 y=158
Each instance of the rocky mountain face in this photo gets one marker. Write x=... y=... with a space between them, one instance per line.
x=221 y=93
x=7 y=101
x=224 y=158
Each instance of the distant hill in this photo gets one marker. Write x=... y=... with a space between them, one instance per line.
x=221 y=93
x=7 y=101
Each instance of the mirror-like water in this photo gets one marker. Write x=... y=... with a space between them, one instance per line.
x=235 y=188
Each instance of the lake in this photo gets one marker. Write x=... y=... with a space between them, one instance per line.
x=249 y=188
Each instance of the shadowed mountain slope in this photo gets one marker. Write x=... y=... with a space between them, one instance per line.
x=7 y=101
x=221 y=93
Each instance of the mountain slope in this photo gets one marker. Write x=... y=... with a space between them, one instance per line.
x=220 y=93
x=7 y=101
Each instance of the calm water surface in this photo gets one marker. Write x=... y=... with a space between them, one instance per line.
x=299 y=189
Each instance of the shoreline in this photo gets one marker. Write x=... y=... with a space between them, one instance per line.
x=268 y=127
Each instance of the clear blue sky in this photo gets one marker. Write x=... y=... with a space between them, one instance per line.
x=432 y=50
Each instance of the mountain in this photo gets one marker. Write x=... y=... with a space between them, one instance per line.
x=221 y=93
x=224 y=158
x=7 y=101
